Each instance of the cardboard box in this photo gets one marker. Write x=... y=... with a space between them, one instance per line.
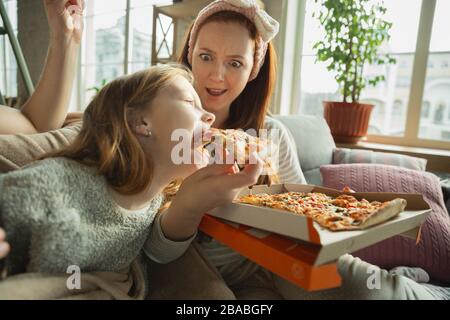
x=297 y=248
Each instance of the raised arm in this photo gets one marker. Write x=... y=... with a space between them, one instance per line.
x=47 y=107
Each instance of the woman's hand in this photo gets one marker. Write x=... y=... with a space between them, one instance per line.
x=204 y=190
x=65 y=19
x=4 y=246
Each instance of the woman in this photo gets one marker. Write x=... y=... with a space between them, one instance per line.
x=229 y=51
x=47 y=107
x=234 y=66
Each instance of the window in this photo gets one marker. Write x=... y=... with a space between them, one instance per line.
x=425 y=110
x=437 y=83
x=319 y=84
x=141 y=16
x=8 y=65
x=112 y=44
x=393 y=118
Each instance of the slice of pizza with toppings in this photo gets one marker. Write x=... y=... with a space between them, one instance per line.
x=239 y=146
x=344 y=212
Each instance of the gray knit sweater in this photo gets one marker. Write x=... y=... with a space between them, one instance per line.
x=58 y=212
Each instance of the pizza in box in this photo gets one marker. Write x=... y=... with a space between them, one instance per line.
x=340 y=213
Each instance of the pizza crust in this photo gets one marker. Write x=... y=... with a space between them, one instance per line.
x=388 y=211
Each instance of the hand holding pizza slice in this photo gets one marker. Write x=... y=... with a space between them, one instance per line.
x=237 y=147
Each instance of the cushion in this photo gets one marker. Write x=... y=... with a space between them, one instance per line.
x=433 y=251
x=17 y=150
x=314 y=143
x=344 y=155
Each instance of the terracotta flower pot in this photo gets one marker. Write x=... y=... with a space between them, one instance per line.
x=348 y=121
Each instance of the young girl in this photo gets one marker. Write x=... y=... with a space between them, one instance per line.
x=94 y=205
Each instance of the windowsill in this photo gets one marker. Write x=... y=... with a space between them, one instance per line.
x=438 y=159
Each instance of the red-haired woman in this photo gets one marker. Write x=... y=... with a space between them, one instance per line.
x=229 y=50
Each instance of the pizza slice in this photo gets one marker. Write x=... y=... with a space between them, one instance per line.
x=344 y=212
x=239 y=146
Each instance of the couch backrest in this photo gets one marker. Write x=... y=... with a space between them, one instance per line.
x=314 y=143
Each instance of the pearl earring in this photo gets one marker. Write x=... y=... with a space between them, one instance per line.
x=143 y=130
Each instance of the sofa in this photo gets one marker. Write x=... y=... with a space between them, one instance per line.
x=315 y=148
x=313 y=141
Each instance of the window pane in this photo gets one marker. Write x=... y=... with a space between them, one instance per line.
x=145 y=3
x=137 y=66
x=103 y=46
x=96 y=76
x=11 y=9
x=312 y=29
x=164 y=37
x=390 y=97
x=108 y=6
x=141 y=23
x=8 y=64
x=105 y=38
x=435 y=113
x=317 y=85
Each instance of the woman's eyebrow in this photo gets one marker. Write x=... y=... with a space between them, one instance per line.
x=236 y=56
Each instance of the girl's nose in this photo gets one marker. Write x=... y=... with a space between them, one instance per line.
x=208 y=117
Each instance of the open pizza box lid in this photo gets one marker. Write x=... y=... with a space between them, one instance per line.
x=327 y=245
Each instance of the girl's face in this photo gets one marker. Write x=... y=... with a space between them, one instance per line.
x=222 y=60
x=176 y=109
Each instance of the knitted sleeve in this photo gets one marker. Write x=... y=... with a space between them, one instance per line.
x=163 y=250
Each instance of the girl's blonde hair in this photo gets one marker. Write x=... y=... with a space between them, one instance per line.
x=106 y=139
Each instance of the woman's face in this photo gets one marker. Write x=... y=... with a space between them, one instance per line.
x=176 y=112
x=222 y=60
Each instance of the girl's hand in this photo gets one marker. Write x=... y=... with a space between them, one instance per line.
x=206 y=189
x=4 y=246
x=214 y=186
x=65 y=19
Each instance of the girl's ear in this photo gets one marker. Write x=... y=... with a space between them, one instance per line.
x=137 y=123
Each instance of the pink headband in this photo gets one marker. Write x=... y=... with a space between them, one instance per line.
x=265 y=25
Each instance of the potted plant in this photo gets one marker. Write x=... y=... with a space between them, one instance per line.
x=354 y=32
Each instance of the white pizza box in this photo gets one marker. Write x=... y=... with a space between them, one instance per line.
x=306 y=232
